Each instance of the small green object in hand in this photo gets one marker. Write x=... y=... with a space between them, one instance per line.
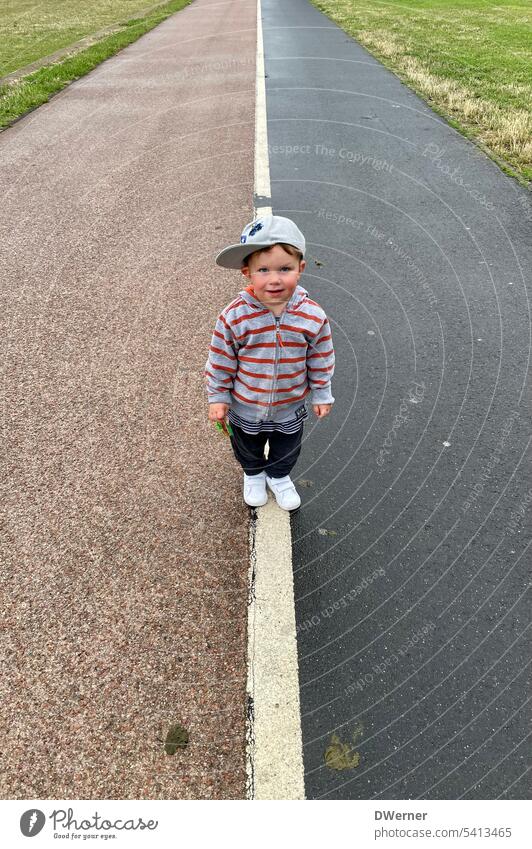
x=227 y=430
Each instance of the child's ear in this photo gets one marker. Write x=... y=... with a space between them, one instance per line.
x=302 y=266
x=245 y=271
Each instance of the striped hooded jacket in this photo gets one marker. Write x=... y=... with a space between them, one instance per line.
x=264 y=366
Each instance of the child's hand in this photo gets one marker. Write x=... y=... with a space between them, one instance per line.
x=217 y=412
x=322 y=410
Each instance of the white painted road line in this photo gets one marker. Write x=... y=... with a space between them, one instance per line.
x=276 y=757
x=274 y=743
x=262 y=188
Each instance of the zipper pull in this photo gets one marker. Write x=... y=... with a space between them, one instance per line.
x=277 y=320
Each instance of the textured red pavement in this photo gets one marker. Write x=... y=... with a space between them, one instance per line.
x=124 y=535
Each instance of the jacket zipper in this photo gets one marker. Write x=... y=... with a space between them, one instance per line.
x=278 y=340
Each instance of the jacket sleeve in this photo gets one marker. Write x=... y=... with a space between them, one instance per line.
x=221 y=365
x=320 y=365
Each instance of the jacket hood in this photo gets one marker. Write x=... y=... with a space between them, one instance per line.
x=299 y=295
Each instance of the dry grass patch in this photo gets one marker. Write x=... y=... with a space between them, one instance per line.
x=505 y=130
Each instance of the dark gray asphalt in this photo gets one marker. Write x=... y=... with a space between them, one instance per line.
x=411 y=552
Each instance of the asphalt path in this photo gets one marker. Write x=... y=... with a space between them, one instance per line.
x=411 y=555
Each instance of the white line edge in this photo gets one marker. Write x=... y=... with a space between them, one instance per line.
x=274 y=749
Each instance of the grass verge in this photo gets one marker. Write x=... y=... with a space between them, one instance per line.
x=21 y=96
x=471 y=60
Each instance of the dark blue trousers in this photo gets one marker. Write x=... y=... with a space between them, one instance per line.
x=284 y=450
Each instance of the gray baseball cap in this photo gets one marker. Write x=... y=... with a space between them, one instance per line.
x=263 y=232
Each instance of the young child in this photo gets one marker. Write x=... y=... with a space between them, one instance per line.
x=271 y=347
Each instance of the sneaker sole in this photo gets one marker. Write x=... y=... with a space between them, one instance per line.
x=255 y=505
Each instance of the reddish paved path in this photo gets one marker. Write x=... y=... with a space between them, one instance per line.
x=124 y=536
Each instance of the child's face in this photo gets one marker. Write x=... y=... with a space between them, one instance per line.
x=274 y=274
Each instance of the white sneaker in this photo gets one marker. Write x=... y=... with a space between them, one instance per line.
x=285 y=492
x=255 y=494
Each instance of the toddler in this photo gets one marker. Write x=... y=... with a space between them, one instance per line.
x=271 y=347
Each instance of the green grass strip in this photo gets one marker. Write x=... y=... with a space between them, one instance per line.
x=20 y=97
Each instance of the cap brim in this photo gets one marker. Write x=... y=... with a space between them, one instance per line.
x=233 y=256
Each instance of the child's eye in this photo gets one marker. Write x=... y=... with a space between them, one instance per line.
x=264 y=270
